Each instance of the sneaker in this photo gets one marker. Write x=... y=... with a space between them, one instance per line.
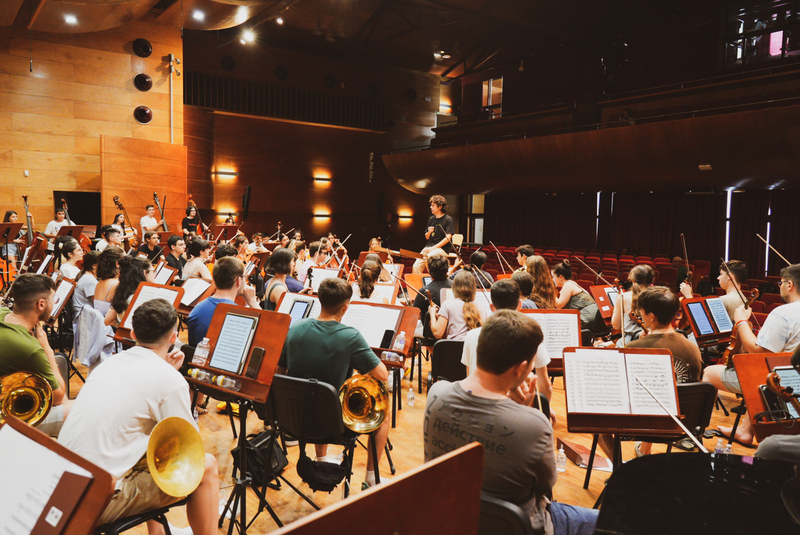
x=637 y=451
x=180 y=531
x=335 y=459
x=365 y=485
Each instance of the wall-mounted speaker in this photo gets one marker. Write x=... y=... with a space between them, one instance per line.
x=142 y=82
x=142 y=48
x=143 y=114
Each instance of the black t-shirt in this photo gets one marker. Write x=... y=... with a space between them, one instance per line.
x=176 y=262
x=421 y=302
x=151 y=255
x=189 y=224
x=441 y=228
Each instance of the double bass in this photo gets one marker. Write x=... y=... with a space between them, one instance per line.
x=85 y=243
x=130 y=241
x=36 y=246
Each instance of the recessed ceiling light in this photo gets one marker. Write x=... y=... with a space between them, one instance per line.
x=249 y=36
x=198 y=15
x=279 y=20
x=70 y=19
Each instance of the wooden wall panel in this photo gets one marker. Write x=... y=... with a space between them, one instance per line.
x=81 y=88
x=135 y=169
x=199 y=139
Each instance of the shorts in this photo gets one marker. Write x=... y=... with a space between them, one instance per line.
x=51 y=425
x=136 y=493
x=731 y=380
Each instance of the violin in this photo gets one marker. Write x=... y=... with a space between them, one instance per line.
x=786 y=393
x=638 y=321
x=85 y=243
x=130 y=241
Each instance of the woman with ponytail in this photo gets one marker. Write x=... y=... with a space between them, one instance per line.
x=365 y=285
x=641 y=277
x=132 y=271
x=68 y=252
x=573 y=297
x=459 y=315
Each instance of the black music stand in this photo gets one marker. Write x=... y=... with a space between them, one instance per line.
x=224 y=232
x=9 y=231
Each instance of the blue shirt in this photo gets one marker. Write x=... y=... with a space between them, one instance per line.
x=200 y=319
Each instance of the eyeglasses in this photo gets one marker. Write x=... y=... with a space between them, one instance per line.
x=783 y=282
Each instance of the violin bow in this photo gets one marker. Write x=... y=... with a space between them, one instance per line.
x=501 y=258
x=596 y=274
x=686 y=258
x=738 y=289
x=774 y=250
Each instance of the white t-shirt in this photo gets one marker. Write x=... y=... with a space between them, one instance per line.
x=453 y=311
x=70 y=271
x=469 y=356
x=302 y=273
x=84 y=293
x=101 y=245
x=120 y=404
x=52 y=229
x=781 y=331
x=147 y=221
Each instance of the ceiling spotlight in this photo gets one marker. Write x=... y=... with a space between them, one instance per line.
x=279 y=19
x=70 y=19
x=198 y=15
x=248 y=36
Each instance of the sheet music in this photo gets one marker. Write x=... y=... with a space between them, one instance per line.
x=596 y=382
x=720 y=315
x=192 y=289
x=289 y=298
x=233 y=344
x=163 y=274
x=372 y=322
x=789 y=378
x=700 y=319
x=61 y=295
x=612 y=294
x=657 y=373
x=319 y=275
x=386 y=290
x=394 y=269
x=148 y=293
x=560 y=331
x=44 y=264
x=29 y=481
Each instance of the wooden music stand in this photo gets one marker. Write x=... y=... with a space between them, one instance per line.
x=752 y=369
x=64 y=291
x=558 y=333
x=145 y=292
x=163 y=237
x=362 y=256
x=184 y=308
x=405 y=253
x=224 y=232
x=260 y=259
x=455 y=512
x=70 y=230
x=716 y=336
x=603 y=300
x=165 y=274
x=79 y=502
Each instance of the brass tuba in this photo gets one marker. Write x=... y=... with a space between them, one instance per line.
x=175 y=456
x=365 y=402
x=26 y=396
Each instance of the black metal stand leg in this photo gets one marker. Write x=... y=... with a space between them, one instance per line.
x=373 y=446
x=398 y=387
x=395 y=398
x=739 y=410
x=591 y=461
x=719 y=404
x=387 y=448
x=419 y=369
x=238 y=496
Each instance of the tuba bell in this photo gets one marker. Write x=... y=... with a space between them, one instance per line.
x=365 y=402
x=25 y=396
x=176 y=456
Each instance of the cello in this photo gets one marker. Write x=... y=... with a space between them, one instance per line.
x=85 y=243
x=37 y=243
x=200 y=224
x=130 y=242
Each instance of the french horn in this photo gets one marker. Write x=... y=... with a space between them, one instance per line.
x=365 y=403
x=176 y=456
x=25 y=396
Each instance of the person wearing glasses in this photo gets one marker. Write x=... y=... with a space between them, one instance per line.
x=780 y=333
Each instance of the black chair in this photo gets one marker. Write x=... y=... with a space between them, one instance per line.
x=311 y=412
x=446 y=362
x=129 y=522
x=499 y=517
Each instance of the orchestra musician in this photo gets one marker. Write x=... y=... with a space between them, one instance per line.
x=54 y=226
x=476 y=262
x=328 y=351
x=523 y=253
x=783 y=447
x=12 y=252
x=439 y=232
x=281 y=263
x=190 y=222
x=132 y=272
x=68 y=249
x=199 y=253
x=146 y=388
x=25 y=345
x=111 y=238
x=496 y=399
x=437 y=268
x=642 y=277
x=148 y=222
x=573 y=296
x=230 y=284
x=176 y=258
x=150 y=247
x=459 y=315
x=127 y=232
x=85 y=284
x=544 y=289
x=732 y=299
x=780 y=333
x=364 y=287
x=316 y=257
x=107 y=278
x=525 y=283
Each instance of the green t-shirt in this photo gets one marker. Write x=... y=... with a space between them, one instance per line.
x=21 y=352
x=327 y=351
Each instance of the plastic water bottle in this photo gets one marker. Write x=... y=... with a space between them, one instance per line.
x=200 y=375
x=727 y=449
x=719 y=448
x=410 y=401
x=226 y=382
x=201 y=352
x=561 y=460
x=399 y=341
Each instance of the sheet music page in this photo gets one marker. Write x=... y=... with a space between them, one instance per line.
x=43 y=266
x=148 y=293
x=657 y=373
x=698 y=313
x=193 y=288
x=392 y=268
x=596 y=382
x=233 y=343
x=720 y=315
x=319 y=275
x=163 y=275
x=28 y=481
x=61 y=294
x=288 y=299
x=371 y=322
x=386 y=290
x=560 y=331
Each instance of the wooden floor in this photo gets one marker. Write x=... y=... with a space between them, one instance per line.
x=407 y=454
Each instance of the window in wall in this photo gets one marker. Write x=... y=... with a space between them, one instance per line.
x=475 y=219
x=758 y=33
x=493 y=97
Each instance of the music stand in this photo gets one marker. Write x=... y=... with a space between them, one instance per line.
x=145 y=292
x=73 y=231
x=224 y=232
x=752 y=370
x=9 y=231
x=260 y=258
x=562 y=328
x=163 y=237
x=259 y=367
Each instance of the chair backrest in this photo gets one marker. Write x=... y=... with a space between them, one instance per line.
x=446 y=361
x=307 y=409
x=499 y=517
x=697 y=403
x=458 y=239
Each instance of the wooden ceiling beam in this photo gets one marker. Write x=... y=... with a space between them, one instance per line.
x=8 y=11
